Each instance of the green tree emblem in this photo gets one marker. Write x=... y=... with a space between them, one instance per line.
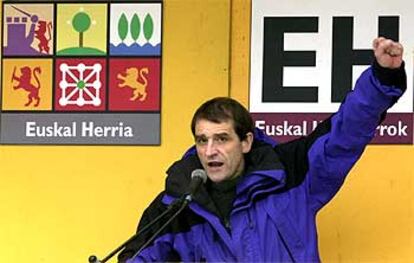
x=81 y=23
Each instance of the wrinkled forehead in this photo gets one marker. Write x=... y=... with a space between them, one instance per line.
x=209 y=128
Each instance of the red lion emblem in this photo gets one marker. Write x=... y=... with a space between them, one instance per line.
x=25 y=82
x=43 y=28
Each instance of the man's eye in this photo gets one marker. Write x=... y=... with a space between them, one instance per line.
x=222 y=139
x=201 y=141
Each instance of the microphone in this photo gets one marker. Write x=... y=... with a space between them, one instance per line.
x=198 y=177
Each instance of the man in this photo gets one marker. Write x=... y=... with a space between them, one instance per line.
x=261 y=198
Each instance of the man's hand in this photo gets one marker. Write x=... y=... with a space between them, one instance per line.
x=387 y=52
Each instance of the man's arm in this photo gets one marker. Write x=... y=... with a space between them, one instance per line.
x=325 y=157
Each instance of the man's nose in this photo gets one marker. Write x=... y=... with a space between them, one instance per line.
x=211 y=148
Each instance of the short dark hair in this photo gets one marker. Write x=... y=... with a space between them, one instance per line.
x=223 y=109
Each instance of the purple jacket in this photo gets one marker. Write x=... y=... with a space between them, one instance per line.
x=278 y=197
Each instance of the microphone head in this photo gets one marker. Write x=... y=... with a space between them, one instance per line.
x=199 y=173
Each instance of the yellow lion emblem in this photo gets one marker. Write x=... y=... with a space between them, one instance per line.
x=131 y=78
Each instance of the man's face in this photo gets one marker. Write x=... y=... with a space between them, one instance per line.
x=220 y=149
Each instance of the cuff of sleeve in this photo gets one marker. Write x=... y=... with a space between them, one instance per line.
x=391 y=77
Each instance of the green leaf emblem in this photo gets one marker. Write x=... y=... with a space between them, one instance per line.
x=135 y=27
x=122 y=27
x=148 y=27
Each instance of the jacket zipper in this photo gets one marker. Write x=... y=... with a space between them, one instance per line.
x=286 y=246
x=227 y=224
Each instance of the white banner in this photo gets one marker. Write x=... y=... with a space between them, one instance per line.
x=305 y=55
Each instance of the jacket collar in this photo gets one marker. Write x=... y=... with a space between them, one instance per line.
x=263 y=174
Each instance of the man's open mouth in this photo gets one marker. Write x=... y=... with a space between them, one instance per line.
x=215 y=164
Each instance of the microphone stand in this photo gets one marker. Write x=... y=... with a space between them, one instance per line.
x=180 y=203
x=184 y=204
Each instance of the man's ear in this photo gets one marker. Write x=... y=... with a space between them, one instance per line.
x=247 y=142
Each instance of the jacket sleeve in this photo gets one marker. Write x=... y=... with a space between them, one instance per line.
x=326 y=156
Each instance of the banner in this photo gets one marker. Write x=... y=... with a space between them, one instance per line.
x=306 y=56
x=86 y=72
